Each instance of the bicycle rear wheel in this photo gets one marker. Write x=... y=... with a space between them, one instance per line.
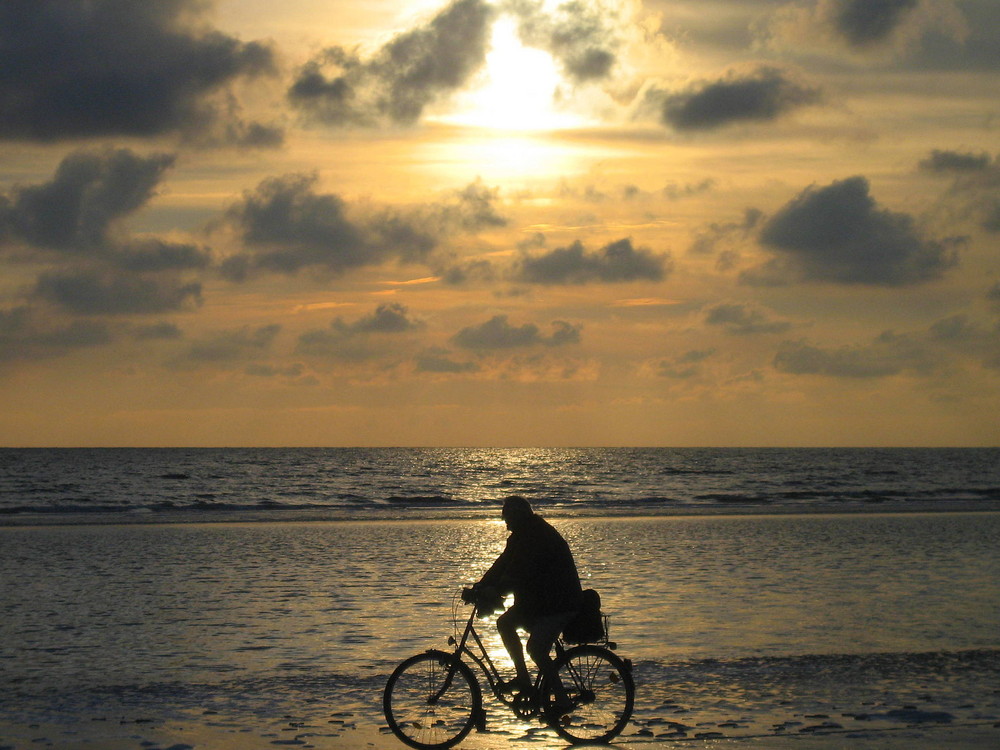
x=601 y=692
x=430 y=702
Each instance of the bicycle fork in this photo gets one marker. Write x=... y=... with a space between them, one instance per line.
x=478 y=711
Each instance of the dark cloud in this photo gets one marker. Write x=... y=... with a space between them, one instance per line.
x=401 y=79
x=744 y=320
x=158 y=331
x=154 y=254
x=614 y=263
x=440 y=361
x=838 y=233
x=21 y=337
x=675 y=191
x=953 y=328
x=685 y=366
x=387 y=318
x=762 y=95
x=970 y=44
x=927 y=34
x=89 y=192
x=993 y=296
x=235 y=345
x=955 y=162
x=975 y=184
x=352 y=340
x=943 y=344
x=74 y=69
x=865 y=22
x=581 y=36
x=287 y=226
x=89 y=292
x=465 y=272
x=260 y=370
x=889 y=354
x=498 y=333
x=78 y=215
x=472 y=208
x=720 y=234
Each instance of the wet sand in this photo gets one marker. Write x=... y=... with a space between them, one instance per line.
x=812 y=633
x=220 y=734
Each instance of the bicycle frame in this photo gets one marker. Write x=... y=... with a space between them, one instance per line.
x=481 y=659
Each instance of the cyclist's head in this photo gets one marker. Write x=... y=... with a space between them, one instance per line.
x=516 y=510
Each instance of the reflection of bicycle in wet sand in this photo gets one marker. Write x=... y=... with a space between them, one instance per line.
x=433 y=699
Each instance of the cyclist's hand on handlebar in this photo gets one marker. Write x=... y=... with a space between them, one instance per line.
x=469 y=595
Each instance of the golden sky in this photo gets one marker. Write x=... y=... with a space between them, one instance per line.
x=521 y=222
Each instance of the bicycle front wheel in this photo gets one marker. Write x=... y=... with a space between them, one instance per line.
x=430 y=701
x=601 y=695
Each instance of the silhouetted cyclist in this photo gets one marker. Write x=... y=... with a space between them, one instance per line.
x=538 y=568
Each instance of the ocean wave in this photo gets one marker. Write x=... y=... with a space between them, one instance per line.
x=162 y=483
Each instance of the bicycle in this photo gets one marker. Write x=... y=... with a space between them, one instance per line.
x=433 y=699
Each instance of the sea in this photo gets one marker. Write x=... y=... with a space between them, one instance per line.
x=270 y=592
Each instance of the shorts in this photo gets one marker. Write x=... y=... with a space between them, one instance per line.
x=543 y=630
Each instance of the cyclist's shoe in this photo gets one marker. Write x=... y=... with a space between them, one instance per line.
x=560 y=708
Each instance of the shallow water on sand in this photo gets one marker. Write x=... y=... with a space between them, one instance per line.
x=726 y=618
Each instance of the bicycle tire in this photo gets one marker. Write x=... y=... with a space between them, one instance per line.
x=418 y=718
x=600 y=686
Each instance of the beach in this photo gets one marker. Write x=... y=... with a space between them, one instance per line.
x=235 y=737
x=754 y=631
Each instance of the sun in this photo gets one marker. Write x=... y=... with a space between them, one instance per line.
x=518 y=90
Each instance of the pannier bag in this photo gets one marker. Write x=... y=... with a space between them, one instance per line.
x=588 y=625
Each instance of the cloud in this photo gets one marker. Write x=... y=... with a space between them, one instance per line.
x=109 y=68
x=78 y=207
x=234 y=345
x=708 y=239
x=839 y=234
x=674 y=191
x=498 y=333
x=289 y=226
x=955 y=162
x=77 y=219
x=351 y=340
x=975 y=184
x=150 y=254
x=471 y=208
x=864 y=22
x=396 y=84
x=286 y=226
x=22 y=338
x=685 y=366
x=761 y=95
x=464 y=272
x=158 y=332
x=923 y=352
x=90 y=292
x=887 y=355
x=864 y=28
x=387 y=318
x=743 y=320
x=616 y=262
x=581 y=35
x=993 y=296
x=440 y=361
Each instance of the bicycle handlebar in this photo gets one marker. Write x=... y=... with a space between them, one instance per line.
x=486 y=600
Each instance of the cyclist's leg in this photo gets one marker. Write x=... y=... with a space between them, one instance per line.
x=507 y=625
x=544 y=631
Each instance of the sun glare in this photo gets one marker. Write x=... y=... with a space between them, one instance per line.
x=519 y=88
